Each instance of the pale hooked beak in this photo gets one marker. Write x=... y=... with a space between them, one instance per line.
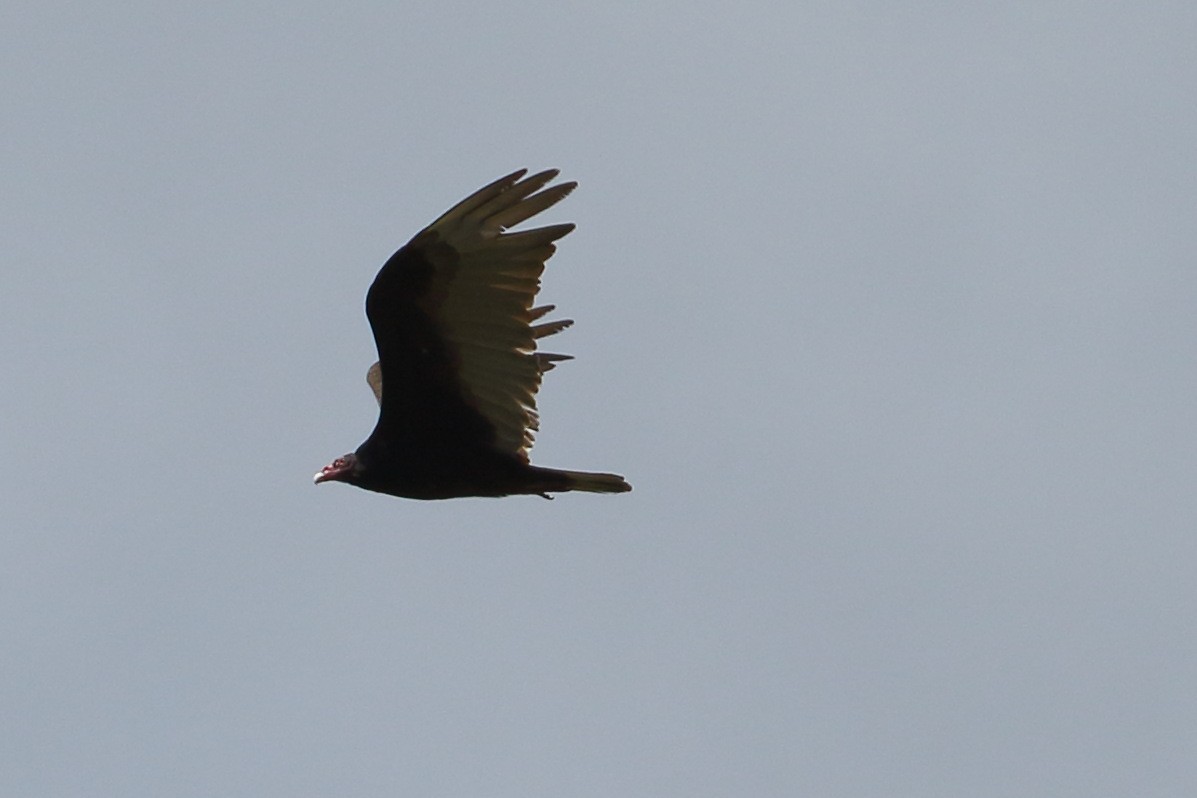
x=337 y=470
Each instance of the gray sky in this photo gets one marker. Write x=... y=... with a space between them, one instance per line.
x=886 y=311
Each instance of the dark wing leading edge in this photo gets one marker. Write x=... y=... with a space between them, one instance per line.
x=452 y=314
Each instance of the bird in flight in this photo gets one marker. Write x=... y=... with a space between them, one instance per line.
x=458 y=367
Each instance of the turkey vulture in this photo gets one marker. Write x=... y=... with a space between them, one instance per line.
x=458 y=369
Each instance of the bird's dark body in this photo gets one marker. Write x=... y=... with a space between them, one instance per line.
x=425 y=408
x=451 y=473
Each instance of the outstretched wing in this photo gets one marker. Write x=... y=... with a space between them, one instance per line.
x=452 y=314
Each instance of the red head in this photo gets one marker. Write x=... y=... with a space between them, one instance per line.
x=343 y=469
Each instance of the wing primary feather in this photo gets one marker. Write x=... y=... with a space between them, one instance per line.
x=479 y=198
x=550 y=328
x=532 y=205
x=536 y=237
x=506 y=195
x=546 y=360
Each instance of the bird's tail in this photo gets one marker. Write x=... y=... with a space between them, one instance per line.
x=595 y=483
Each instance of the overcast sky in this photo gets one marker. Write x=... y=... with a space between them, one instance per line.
x=885 y=309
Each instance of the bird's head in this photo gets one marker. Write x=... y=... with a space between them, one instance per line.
x=343 y=469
